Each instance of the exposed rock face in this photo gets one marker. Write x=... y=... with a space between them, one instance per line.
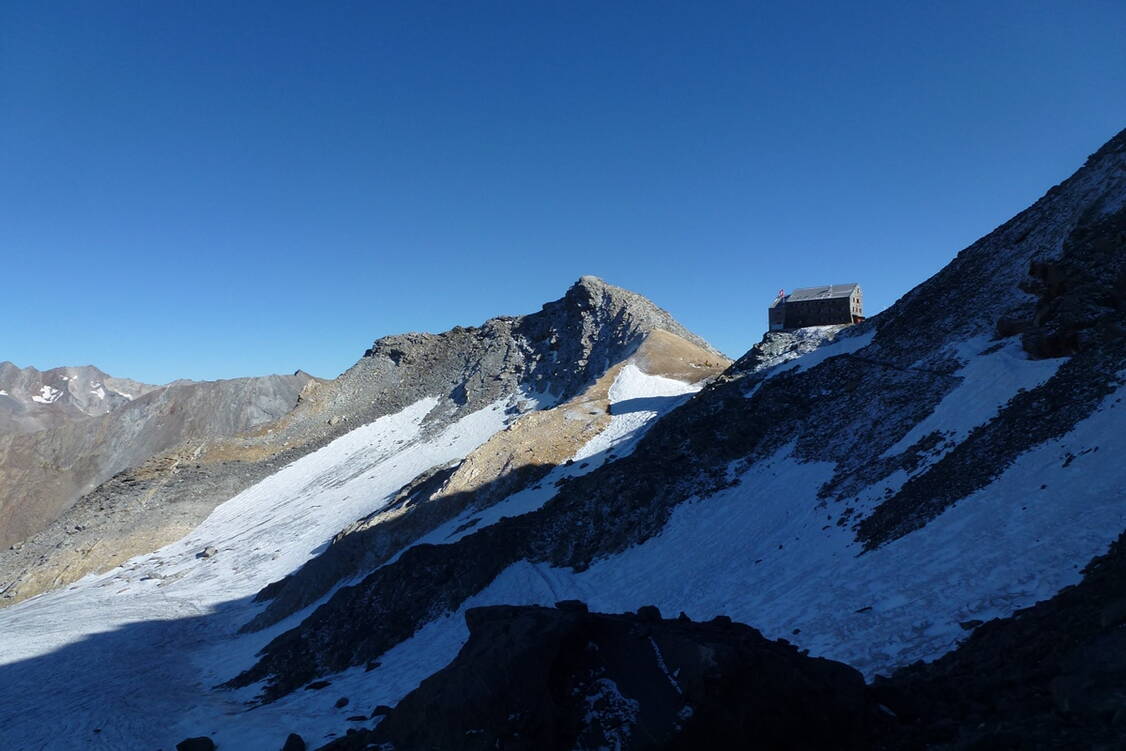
x=1078 y=293
x=849 y=406
x=32 y=400
x=543 y=678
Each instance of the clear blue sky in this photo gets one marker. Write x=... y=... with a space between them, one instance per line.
x=216 y=189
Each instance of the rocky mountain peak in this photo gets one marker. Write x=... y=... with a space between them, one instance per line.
x=591 y=292
x=607 y=305
x=554 y=353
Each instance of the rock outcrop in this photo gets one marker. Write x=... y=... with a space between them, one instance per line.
x=554 y=679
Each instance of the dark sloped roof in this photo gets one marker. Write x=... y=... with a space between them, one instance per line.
x=824 y=292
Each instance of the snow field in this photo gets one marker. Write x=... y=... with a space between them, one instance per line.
x=143 y=644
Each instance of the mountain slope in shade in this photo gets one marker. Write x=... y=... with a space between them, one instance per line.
x=1049 y=676
x=563 y=678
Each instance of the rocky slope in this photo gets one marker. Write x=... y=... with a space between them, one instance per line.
x=427 y=437
x=516 y=458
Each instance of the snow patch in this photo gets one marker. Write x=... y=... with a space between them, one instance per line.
x=47 y=395
x=842 y=345
x=989 y=381
x=664 y=666
x=610 y=715
x=634 y=383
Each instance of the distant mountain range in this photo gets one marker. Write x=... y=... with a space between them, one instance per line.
x=68 y=430
x=32 y=400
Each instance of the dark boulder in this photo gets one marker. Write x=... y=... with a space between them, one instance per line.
x=294 y=743
x=201 y=743
x=576 y=605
